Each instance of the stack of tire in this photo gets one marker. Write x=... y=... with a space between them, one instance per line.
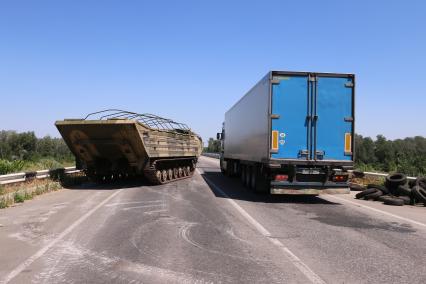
x=396 y=191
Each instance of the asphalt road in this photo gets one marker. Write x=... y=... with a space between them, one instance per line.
x=207 y=229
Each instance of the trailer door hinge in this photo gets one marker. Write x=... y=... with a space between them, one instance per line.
x=349 y=85
x=349 y=119
x=275 y=116
x=275 y=81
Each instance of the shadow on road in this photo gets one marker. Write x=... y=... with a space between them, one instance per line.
x=89 y=185
x=234 y=190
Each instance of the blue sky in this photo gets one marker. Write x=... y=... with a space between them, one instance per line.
x=192 y=60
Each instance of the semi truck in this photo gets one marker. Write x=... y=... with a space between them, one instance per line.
x=292 y=133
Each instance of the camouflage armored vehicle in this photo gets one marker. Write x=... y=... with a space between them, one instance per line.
x=114 y=144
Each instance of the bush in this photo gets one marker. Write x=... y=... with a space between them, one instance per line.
x=7 y=167
x=19 y=198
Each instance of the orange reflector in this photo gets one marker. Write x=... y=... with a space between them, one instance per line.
x=348 y=143
x=281 y=177
x=274 y=140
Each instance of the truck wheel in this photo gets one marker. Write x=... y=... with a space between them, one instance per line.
x=253 y=177
x=229 y=169
x=243 y=174
x=221 y=166
x=248 y=177
x=262 y=183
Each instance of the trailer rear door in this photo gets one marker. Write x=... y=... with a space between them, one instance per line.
x=289 y=109
x=312 y=117
x=333 y=125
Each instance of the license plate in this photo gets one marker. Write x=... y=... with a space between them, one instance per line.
x=310 y=172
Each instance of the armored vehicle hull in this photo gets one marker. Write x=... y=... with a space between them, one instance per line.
x=115 y=144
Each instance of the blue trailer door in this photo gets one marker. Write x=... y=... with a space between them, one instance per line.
x=289 y=127
x=333 y=118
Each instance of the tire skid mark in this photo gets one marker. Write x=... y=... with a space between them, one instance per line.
x=110 y=267
x=184 y=232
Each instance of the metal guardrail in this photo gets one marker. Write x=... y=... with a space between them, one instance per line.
x=379 y=174
x=217 y=155
x=21 y=177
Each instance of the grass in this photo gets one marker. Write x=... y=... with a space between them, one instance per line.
x=18 y=193
x=7 y=167
x=19 y=198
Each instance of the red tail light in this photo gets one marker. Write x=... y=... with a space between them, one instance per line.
x=281 y=177
x=340 y=178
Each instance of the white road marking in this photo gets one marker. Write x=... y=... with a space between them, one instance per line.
x=133 y=202
x=142 y=206
x=311 y=275
x=378 y=211
x=43 y=250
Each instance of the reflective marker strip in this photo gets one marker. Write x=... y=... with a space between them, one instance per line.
x=348 y=143
x=274 y=140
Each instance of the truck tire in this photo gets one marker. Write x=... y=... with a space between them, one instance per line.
x=365 y=192
x=248 y=177
x=406 y=199
x=394 y=201
x=356 y=187
x=253 y=177
x=403 y=190
x=395 y=180
x=384 y=197
x=229 y=168
x=221 y=166
x=374 y=195
x=419 y=193
x=262 y=185
x=243 y=174
x=379 y=187
x=421 y=182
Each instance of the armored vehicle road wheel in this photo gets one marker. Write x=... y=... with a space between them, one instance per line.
x=163 y=175
x=180 y=172
x=170 y=174
x=158 y=175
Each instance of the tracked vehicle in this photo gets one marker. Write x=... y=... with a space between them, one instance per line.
x=115 y=144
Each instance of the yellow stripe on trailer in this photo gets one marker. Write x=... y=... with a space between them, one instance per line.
x=275 y=140
x=348 y=143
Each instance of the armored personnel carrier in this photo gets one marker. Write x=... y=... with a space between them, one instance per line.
x=115 y=144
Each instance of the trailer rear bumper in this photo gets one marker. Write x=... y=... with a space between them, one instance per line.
x=308 y=188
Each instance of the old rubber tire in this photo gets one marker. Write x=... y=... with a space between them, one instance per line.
x=394 y=201
x=419 y=193
x=395 y=180
x=379 y=187
x=384 y=197
x=421 y=182
x=406 y=199
x=373 y=196
x=365 y=192
x=356 y=187
x=403 y=190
